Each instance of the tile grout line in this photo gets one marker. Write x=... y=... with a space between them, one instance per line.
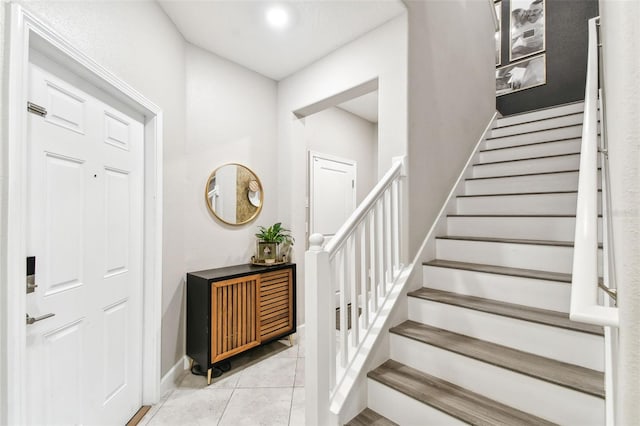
x=293 y=385
x=160 y=405
x=233 y=391
x=235 y=386
x=292 y=391
x=264 y=387
x=293 y=388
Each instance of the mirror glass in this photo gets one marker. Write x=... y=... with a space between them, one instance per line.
x=234 y=194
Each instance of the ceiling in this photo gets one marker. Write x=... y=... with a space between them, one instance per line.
x=237 y=29
x=365 y=106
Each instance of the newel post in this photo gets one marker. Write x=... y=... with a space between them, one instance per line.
x=318 y=322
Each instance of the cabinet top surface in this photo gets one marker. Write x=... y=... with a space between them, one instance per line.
x=236 y=270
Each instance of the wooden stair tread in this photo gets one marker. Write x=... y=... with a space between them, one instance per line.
x=560 y=373
x=451 y=399
x=517 y=114
x=529 y=144
x=368 y=417
x=512 y=215
x=509 y=194
x=534 y=131
x=508 y=240
x=511 y=241
x=500 y=270
x=521 y=312
x=525 y=174
x=488 y=163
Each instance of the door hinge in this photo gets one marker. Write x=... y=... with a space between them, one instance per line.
x=36 y=109
x=353 y=183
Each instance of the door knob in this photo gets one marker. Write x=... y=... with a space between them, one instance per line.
x=31 y=320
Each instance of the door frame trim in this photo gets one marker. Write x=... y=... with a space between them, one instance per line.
x=25 y=31
x=316 y=154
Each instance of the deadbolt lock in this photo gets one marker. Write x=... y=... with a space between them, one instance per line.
x=31 y=274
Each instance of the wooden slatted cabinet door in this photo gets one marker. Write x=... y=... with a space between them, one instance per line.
x=234 y=328
x=276 y=303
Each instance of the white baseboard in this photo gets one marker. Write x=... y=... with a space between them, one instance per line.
x=170 y=380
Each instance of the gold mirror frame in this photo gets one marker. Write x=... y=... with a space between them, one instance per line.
x=243 y=190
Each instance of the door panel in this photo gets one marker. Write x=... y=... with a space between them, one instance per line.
x=63 y=383
x=117 y=213
x=116 y=131
x=115 y=343
x=85 y=229
x=234 y=321
x=64 y=208
x=65 y=109
x=332 y=193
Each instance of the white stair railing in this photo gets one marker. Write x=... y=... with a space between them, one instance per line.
x=585 y=300
x=362 y=263
x=587 y=304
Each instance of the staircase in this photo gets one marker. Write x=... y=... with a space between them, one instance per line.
x=488 y=340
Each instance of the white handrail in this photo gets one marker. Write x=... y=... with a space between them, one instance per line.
x=363 y=263
x=365 y=206
x=584 y=288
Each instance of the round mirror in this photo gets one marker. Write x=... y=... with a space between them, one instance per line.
x=234 y=194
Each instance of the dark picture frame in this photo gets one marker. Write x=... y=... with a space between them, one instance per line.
x=525 y=74
x=527 y=28
x=498 y=36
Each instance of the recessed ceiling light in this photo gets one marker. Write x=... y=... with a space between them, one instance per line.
x=278 y=17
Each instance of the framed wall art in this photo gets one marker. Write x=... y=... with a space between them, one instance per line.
x=498 y=6
x=521 y=75
x=526 y=28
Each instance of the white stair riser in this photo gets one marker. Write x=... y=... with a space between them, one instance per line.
x=585 y=350
x=569 y=146
x=534 y=137
x=403 y=409
x=559 y=203
x=541 y=114
x=534 y=183
x=549 y=123
x=533 y=228
x=527 y=256
x=543 y=294
x=538 y=397
x=535 y=165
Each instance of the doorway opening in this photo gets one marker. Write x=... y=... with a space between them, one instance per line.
x=340 y=134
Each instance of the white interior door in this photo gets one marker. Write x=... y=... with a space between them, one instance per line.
x=84 y=227
x=332 y=194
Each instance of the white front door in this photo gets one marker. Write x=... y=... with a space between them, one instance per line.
x=332 y=194
x=85 y=188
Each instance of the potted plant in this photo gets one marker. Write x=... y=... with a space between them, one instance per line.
x=271 y=240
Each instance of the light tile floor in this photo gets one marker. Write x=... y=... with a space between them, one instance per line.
x=264 y=387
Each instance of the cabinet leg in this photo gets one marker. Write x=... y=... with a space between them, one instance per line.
x=191 y=361
x=291 y=340
x=209 y=371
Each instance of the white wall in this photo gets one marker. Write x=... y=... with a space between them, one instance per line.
x=621 y=43
x=231 y=117
x=337 y=132
x=379 y=54
x=451 y=99
x=214 y=112
x=138 y=42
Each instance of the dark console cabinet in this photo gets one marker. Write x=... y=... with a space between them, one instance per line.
x=232 y=309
